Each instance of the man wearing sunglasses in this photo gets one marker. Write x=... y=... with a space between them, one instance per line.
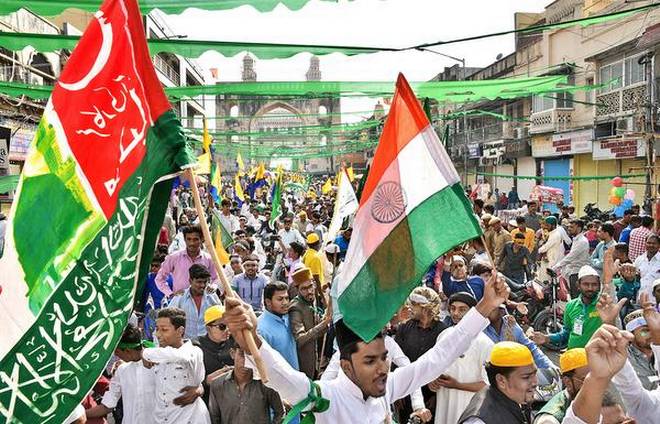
x=215 y=345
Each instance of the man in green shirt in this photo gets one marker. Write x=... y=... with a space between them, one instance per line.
x=581 y=319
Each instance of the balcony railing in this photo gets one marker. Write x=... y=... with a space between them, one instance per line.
x=622 y=101
x=167 y=70
x=551 y=120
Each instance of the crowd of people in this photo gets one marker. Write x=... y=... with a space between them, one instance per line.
x=463 y=349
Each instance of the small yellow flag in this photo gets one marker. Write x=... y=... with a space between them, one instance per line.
x=349 y=172
x=223 y=256
x=327 y=187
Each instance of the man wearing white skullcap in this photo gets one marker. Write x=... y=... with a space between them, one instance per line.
x=581 y=319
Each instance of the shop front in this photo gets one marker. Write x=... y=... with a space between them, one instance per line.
x=555 y=154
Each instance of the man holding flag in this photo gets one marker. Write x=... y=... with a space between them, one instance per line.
x=411 y=181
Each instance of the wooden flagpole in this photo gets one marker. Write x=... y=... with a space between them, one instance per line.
x=229 y=292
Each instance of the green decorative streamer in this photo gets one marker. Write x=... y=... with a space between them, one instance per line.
x=584 y=22
x=188 y=48
x=573 y=178
x=295 y=132
x=55 y=7
x=194 y=48
x=446 y=91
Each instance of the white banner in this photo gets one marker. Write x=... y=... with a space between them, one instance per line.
x=346 y=204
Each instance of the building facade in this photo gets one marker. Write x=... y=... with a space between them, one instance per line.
x=583 y=134
x=288 y=123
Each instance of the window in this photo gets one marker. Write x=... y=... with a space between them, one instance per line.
x=565 y=99
x=621 y=74
x=634 y=71
x=589 y=94
x=541 y=103
x=610 y=75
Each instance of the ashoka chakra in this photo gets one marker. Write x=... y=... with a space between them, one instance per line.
x=389 y=202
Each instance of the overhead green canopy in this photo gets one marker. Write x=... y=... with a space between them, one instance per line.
x=55 y=7
x=442 y=91
x=294 y=131
x=194 y=48
x=256 y=151
x=188 y=48
x=439 y=90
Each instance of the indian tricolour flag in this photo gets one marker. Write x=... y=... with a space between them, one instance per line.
x=83 y=227
x=412 y=210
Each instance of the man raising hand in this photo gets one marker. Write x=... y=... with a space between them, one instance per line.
x=364 y=387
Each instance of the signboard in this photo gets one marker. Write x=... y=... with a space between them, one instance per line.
x=620 y=148
x=5 y=134
x=493 y=150
x=568 y=143
x=516 y=149
x=474 y=151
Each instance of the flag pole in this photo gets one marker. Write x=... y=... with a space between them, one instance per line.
x=229 y=292
x=332 y=280
x=490 y=257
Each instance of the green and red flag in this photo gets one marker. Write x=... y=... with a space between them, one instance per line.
x=412 y=210
x=82 y=229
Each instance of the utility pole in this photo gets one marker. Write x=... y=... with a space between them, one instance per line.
x=465 y=128
x=647 y=61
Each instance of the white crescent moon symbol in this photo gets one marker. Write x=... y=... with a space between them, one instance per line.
x=101 y=59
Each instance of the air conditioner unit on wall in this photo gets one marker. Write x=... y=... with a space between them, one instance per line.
x=624 y=125
x=520 y=132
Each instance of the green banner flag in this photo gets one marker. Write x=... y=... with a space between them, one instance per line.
x=82 y=230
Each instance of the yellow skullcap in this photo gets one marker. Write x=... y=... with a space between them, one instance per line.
x=213 y=313
x=510 y=354
x=572 y=359
x=312 y=238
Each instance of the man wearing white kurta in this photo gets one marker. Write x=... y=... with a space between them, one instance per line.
x=394 y=354
x=468 y=368
x=364 y=387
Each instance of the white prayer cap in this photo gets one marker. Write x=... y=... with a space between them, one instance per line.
x=457 y=258
x=656 y=283
x=494 y=220
x=332 y=248
x=586 y=271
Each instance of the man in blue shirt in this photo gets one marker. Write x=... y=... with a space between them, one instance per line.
x=605 y=235
x=502 y=328
x=342 y=241
x=635 y=222
x=273 y=325
x=249 y=284
x=455 y=278
x=195 y=300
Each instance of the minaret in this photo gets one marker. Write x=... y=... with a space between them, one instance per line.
x=249 y=74
x=379 y=110
x=314 y=71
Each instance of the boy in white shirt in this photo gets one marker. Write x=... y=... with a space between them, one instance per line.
x=134 y=384
x=176 y=364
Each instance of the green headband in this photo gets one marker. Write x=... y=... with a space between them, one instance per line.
x=136 y=345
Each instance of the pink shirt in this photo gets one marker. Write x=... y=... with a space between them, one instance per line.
x=177 y=264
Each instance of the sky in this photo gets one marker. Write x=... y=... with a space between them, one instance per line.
x=386 y=23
